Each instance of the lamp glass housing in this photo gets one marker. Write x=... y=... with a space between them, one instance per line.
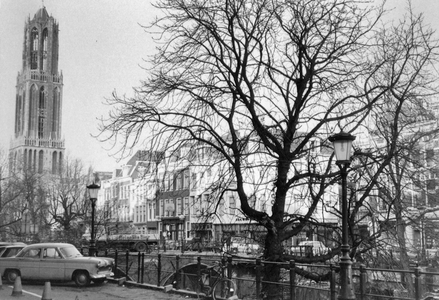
x=342 y=146
x=93 y=190
x=343 y=150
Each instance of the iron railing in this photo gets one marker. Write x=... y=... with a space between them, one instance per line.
x=183 y=272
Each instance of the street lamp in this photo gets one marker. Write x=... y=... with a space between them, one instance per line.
x=342 y=147
x=93 y=190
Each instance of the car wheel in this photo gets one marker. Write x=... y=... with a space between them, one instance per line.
x=81 y=278
x=11 y=275
x=141 y=247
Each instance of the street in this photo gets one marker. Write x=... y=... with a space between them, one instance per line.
x=68 y=291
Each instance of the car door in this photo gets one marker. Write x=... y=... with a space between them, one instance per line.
x=29 y=263
x=52 y=266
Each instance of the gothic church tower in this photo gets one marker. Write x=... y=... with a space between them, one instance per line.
x=37 y=142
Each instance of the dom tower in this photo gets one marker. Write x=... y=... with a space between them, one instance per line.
x=37 y=142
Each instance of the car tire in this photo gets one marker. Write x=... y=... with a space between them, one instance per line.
x=11 y=275
x=141 y=247
x=81 y=278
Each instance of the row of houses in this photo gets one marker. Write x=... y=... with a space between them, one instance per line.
x=181 y=202
x=185 y=201
x=176 y=200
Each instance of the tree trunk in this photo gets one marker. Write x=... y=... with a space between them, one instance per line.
x=272 y=271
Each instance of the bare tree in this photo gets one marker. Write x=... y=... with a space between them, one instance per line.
x=27 y=215
x=10 y=198
x=264 y=83
x=68 y=204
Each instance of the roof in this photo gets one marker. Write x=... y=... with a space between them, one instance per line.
x=42 y=14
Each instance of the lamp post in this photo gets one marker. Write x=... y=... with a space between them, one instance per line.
x=342 y=147
x=93 y=190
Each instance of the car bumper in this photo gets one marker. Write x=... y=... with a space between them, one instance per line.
x=97 y=276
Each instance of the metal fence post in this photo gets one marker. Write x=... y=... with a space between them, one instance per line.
x=143 y=267
x=363 y=281
x=115 y=263
x=229 y=267
x=258 y=278
x=292 y=280
x=332 y=287
x=199 y=274
x=138 y=267
x=159 y=269
x=223 y=266
x=127 y=257
x=418 y=287
x=177 y=272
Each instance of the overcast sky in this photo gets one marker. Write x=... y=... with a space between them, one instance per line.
x=101 y=50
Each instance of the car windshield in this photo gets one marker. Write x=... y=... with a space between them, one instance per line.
x=70 y=251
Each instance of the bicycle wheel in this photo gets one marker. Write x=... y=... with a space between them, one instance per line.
x=223 y=289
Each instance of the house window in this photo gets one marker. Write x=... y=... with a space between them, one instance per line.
x=194 y=180
x=221 y=207
x=171 y=182
x=191 y=205
x=179 y=181
x=179 y=207
x=171 y=207
x=232 y=205
x=167 y=213
x=186 y=206
x=161 y=207
x=186 y=179
x=188 y=231
x=150 y=212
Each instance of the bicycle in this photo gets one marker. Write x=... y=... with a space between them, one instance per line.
x=213 y=283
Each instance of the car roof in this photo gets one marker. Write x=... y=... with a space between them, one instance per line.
x=12 y=246
x=310 y=242
x=40 y=245
x=11 y=243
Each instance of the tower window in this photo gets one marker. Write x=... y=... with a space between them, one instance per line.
x=34 y=49
x=40 y=161
x=41 y=113
x=44 y=54
x=32 y=109
x=45 y=40
x=55 y=113
x=42 y=104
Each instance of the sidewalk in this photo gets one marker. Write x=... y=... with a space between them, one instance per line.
x=108 y=291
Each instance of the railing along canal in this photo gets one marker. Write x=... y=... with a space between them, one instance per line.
x=183 y=273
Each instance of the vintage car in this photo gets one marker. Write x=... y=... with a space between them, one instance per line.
x=243 y=245
x=56 y=262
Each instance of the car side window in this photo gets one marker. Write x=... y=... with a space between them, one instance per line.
x=12 y=252
x=51 y=253
x=32 y=253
